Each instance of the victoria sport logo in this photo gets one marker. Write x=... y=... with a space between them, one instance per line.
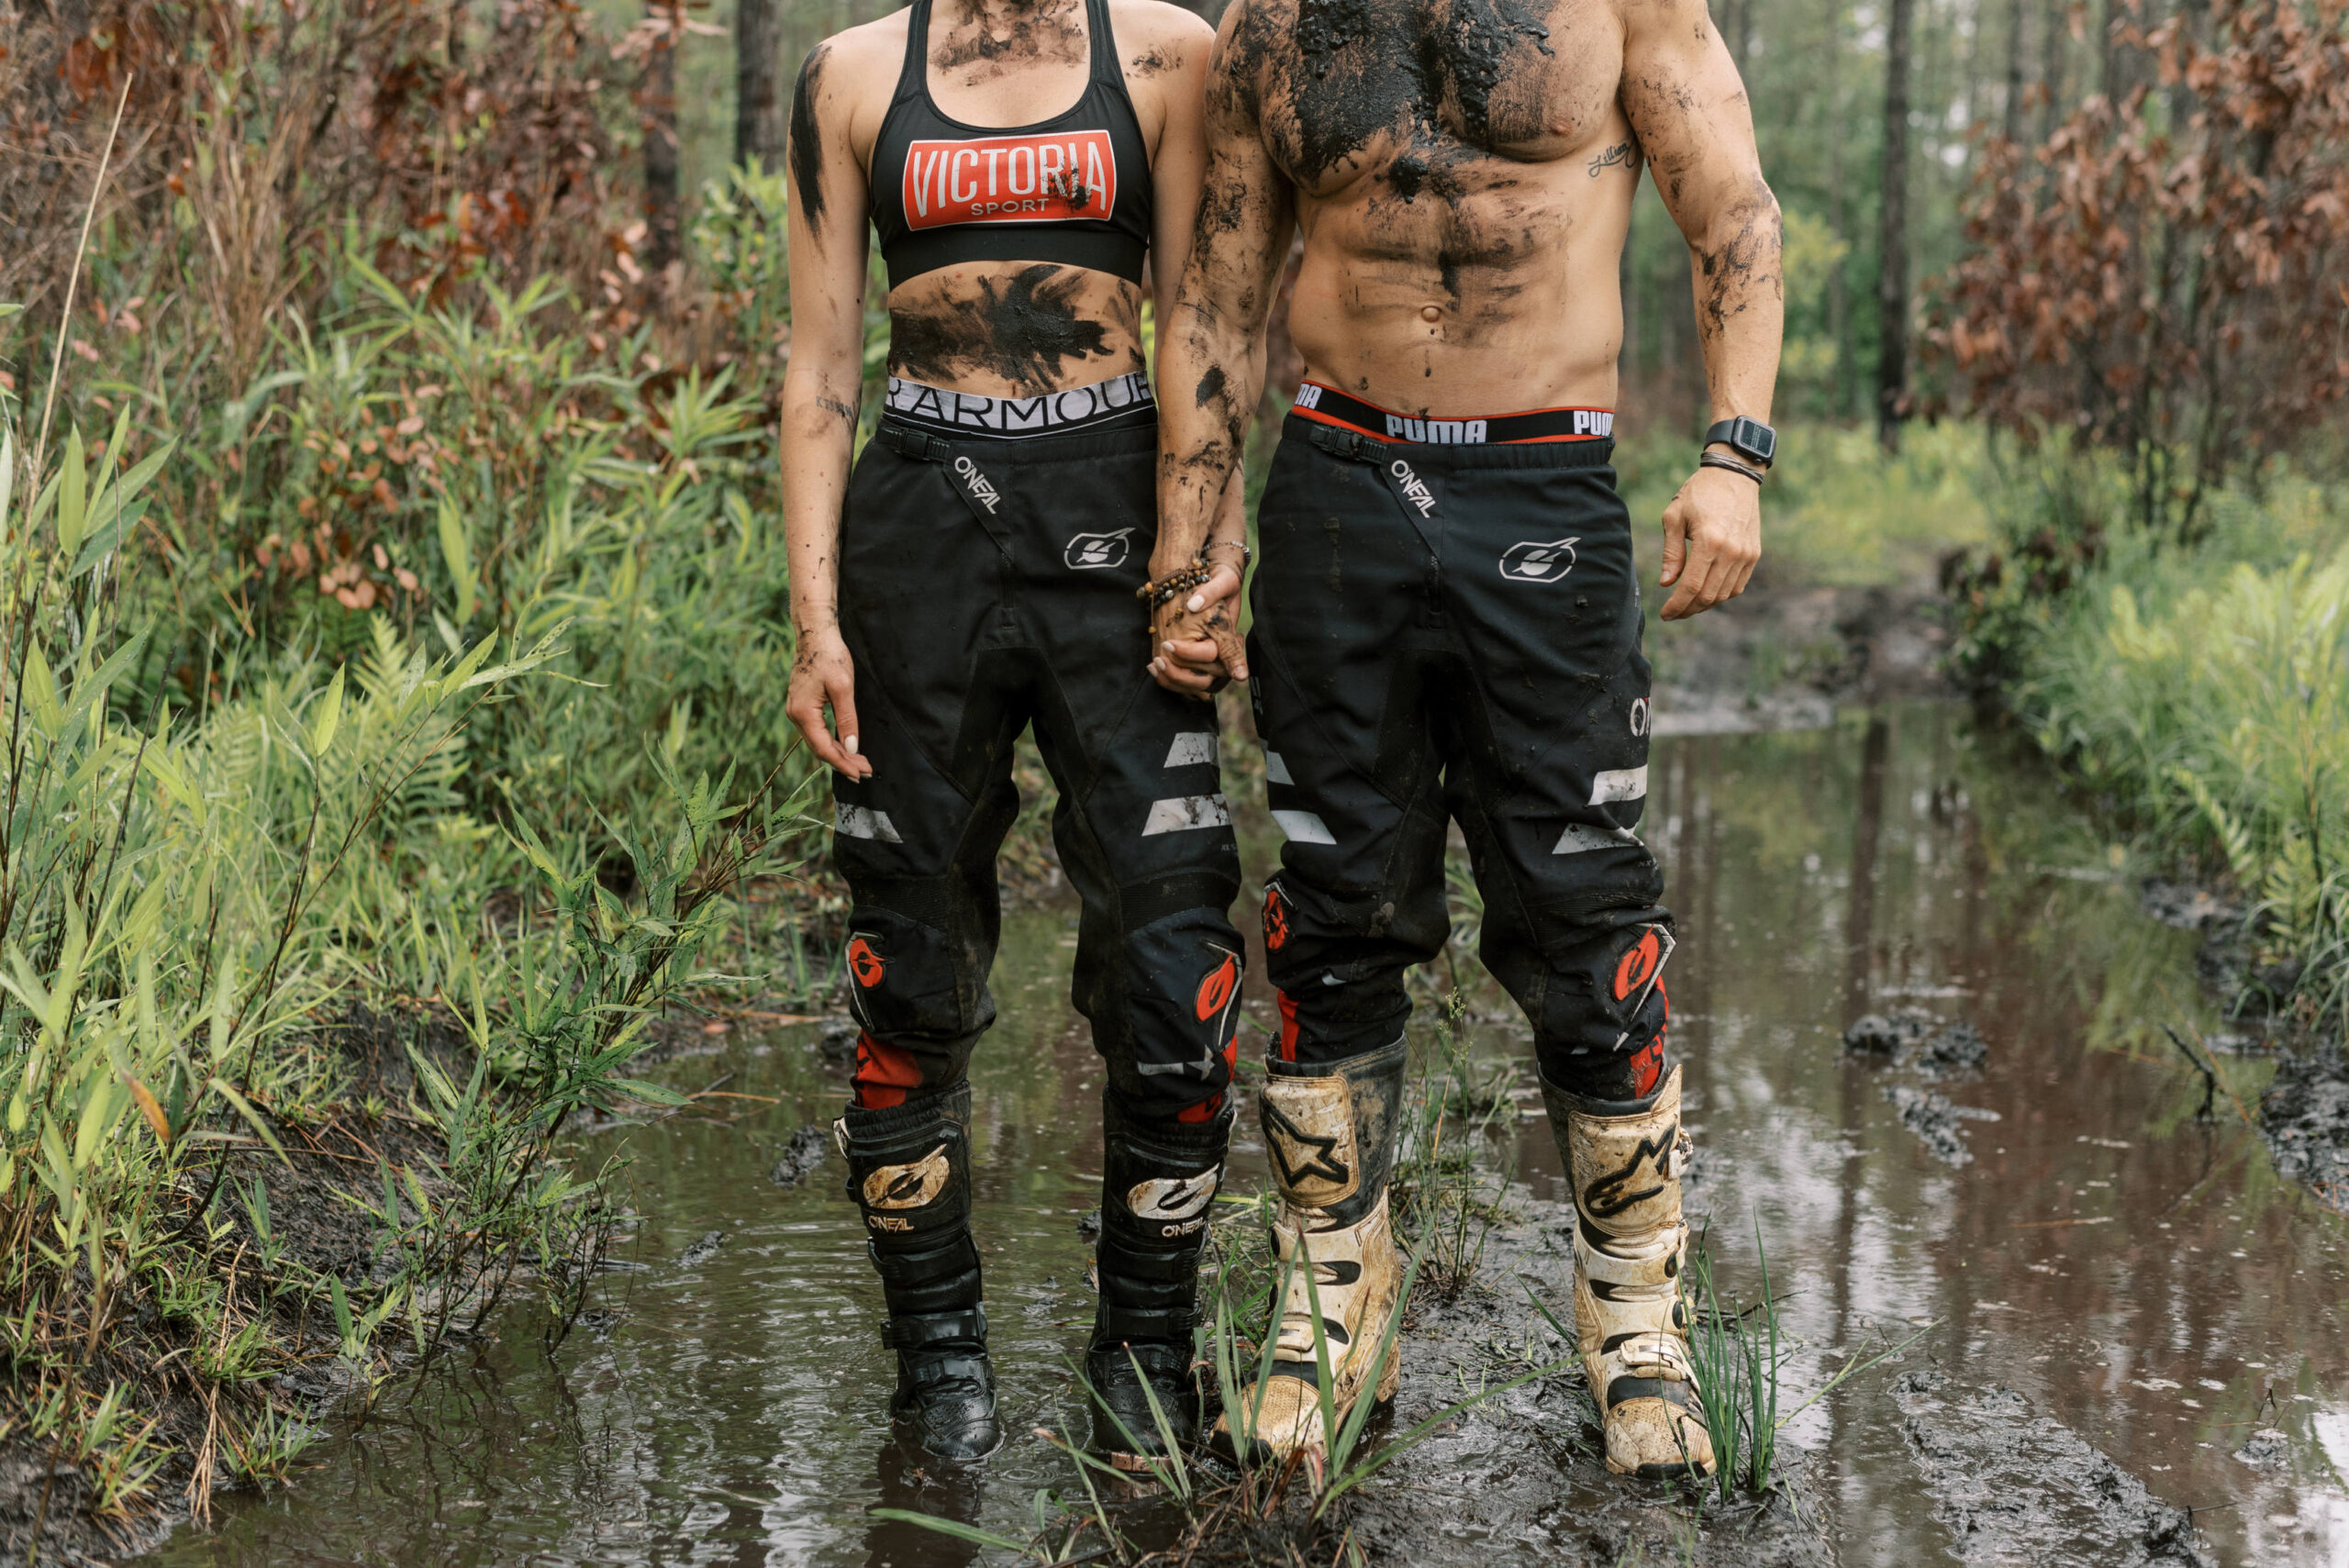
x=1096 y=552
x=1528 y=560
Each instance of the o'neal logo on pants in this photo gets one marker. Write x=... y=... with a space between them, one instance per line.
x=1531 y=560
x=1096 y=552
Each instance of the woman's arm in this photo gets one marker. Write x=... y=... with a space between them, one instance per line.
x=1194 y=647
x=820 y=390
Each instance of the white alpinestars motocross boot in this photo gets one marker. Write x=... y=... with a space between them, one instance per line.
x=1624 y=1158
x=1329 y=1132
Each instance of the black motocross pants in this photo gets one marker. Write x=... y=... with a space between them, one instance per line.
x=985 y=586
x=1453 y=631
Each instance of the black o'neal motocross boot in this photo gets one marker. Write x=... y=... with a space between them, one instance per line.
x=1158 y=1188
x=909 y=1171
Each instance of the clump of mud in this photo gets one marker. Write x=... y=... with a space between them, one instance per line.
x=2306 y=1120
x=2267 y=1449
x=837 y=1038
x=2014 y=1486
x=701 y=1251
x=1935 y=1120
x=801 y=1158
x=1919 y=1038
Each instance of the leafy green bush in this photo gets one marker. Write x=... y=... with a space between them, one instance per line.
x=2206 y=691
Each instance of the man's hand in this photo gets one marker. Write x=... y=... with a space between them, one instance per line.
x=1194 y=641
x=822 y=677
x=1712 y=537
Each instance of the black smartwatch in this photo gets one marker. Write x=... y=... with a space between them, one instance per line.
x=1749 y=438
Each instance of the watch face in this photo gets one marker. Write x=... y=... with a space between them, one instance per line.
x=1755 y=439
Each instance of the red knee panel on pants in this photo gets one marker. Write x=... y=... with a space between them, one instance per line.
x=884 y=1074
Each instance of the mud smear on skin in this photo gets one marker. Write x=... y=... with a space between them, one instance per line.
x=1357 y=70
x=806 y=140
x=1024 y=329
x=1041 y=32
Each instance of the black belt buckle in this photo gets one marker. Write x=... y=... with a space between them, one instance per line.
x=915 y=444
x=1351 y=444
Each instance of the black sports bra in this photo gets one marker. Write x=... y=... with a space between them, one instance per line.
x=1073 y=189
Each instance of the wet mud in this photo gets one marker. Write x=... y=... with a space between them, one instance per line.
x=2013 y=1486
x=2132 y=1319
x=802 y=1155
x=1521 y=1478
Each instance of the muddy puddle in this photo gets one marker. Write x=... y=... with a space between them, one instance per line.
x=2133 y=1347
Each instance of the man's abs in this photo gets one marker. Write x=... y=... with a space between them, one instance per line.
x=1464 y=176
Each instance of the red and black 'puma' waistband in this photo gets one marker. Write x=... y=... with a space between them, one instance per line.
x=1328 y=406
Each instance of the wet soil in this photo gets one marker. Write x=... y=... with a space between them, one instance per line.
x=2120 y=1298
x=315 y=1222
x=2014 y=1486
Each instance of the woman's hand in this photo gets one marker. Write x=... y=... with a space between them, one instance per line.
x=822 y=677
x=1194 y=641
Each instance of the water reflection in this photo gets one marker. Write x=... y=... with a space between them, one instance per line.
x=2137 y=1273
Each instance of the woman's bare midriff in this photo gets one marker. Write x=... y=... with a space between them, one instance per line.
x=1014 y=328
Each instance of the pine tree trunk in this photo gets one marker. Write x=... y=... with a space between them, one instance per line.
x=661 y=145
x=2051 y=70
x=1892 y=284
x=1838 y=302
x=2013 y=126
x=758 y=94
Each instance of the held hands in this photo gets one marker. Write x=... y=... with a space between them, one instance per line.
x=822 y=677
x=1195 y=643
x=1712 y=537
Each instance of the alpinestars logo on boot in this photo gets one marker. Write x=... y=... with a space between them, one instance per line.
x=1529 y=561
x=982 y=490
x=1096 y=552
x=1303 y=1156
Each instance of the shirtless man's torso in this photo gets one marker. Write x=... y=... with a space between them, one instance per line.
x=1447 y=624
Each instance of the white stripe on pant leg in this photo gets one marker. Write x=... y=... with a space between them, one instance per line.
x=1580 y=837
x=1190 y=811
x=863 y=822
x=1619 y=783
x=1276 y=770
x=1304 y=827
x=1191 y=746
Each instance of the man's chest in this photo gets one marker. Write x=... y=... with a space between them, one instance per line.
x=1354 y=84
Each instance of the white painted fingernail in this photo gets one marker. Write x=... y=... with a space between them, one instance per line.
x=849 y=745
x=1195 y=602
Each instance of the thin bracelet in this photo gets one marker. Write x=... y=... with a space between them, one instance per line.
x=1719 y=460
x=1246 y=554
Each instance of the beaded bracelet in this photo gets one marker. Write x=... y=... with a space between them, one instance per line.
x=1175 y=583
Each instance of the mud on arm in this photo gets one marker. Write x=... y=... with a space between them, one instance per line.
x=1195 y=645
x=1207 y=361
x=821 y=386
x=1689 y=111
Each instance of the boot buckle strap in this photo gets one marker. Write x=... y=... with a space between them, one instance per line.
x=925 y=1330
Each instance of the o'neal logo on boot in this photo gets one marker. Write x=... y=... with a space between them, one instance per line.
x=1177 y=1205
x=906 y=1186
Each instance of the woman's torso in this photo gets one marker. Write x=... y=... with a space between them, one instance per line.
x=1014 y=241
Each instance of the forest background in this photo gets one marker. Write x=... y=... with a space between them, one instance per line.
x=392 y=610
